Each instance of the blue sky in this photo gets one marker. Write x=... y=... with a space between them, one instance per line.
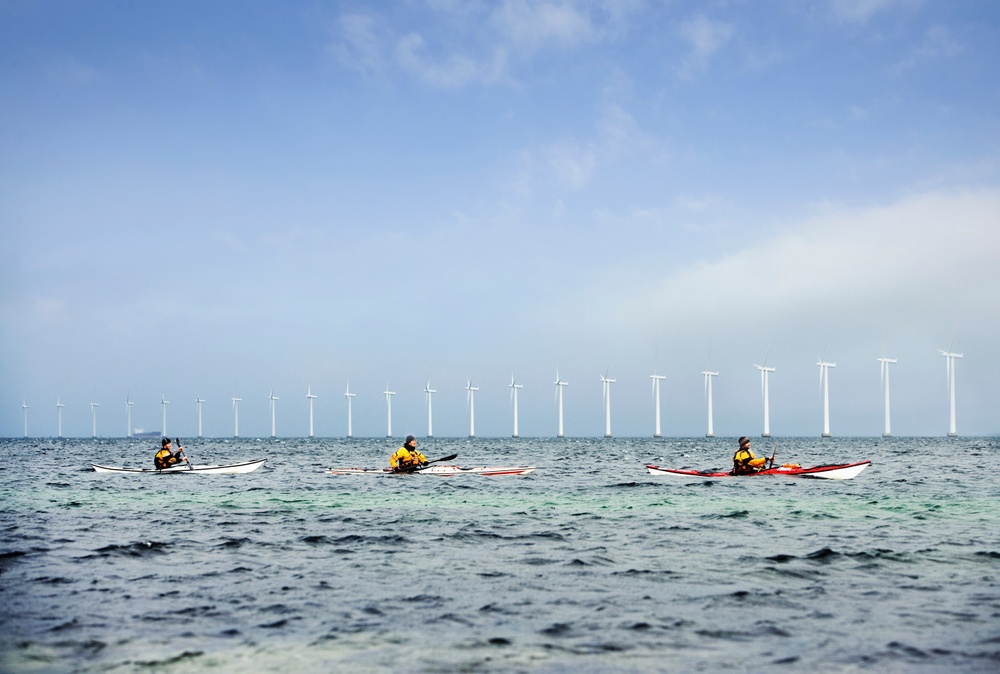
x=219 y=199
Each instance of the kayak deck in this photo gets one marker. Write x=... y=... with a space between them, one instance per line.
x=441 y=471
x=840 y=471
x=186 y=469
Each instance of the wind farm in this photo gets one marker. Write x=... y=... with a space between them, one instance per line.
x=680 y=386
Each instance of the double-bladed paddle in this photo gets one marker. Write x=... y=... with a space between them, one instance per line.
x=771 y=464
x=180 y=450
x=443 y=458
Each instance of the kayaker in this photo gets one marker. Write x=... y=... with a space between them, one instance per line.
x=165 y=458
x=407 y=458
x=744 y=462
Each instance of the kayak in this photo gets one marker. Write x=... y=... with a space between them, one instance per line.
x=444 y=471
x=186 y=469
x=839 y=471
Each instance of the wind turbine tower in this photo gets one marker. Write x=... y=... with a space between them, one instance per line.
x=429 y=393
x=471 y=399
x=824 y=380
x=310 y=397
x=59 y=407
x=388 y=407
x=884 y=367
x=236 y=416
x=559 y=394
x=128 y=415
x=514 y=386
x=765 y=371
x=607 y=403
x=198 y=401
x=163 y=404
x=26 y=406
x=272 y=400
x=950 y=372
x=708 y=394
x=93 y=416
x=657 y=378
x=349 y=395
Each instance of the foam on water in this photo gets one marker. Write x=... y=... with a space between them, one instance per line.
x=589 y=564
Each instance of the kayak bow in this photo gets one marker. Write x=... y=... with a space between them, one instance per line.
x=840 y=471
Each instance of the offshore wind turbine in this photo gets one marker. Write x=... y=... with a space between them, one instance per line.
x=59 y=407
x=657 y=378
x=950 y=357
x=128 y=415
x=764 y=372
x=429 y=393
x=824 y=382
x=93 y=415
x=388 y=407
x=198 y=401
x=310 y=397
x=607 y=403
x=236 y=416
x=26 y=406
x=163 y=404
x=708 y=394
x=514 y=386
x=470 y=397
x=272 y=400
x=559 y=395
x=349 y=395
x=884 y=376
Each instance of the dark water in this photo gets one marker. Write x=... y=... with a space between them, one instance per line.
x=587 y=565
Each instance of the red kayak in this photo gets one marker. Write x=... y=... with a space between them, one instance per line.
x=840 y=471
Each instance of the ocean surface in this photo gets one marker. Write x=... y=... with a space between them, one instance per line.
x=587 y=565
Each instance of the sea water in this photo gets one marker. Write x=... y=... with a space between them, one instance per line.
x=589 y=564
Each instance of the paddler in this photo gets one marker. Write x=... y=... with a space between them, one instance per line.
x=165 y=458
x=407 y=459
x=744 y=462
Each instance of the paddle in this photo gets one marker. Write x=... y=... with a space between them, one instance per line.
x=443 y=458
x=180 y=452
x=771 y=464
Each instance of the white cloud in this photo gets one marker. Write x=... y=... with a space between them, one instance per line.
x=924 y=254
x=537 y=24
x=859 y=11
x=358 y=44
x=706 y=38
x=455 y=70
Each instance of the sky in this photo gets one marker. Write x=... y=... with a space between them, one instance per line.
x=244 y=199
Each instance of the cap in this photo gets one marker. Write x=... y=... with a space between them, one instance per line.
x=744 y=440
x=409 y=439
x=165 y=442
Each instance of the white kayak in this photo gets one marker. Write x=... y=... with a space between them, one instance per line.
x=443 y=471
x=185 y=468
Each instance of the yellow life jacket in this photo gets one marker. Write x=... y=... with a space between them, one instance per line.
x=164 y=459
x=405 y=459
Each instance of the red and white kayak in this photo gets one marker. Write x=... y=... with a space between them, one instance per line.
x=840 y=471
x=187 y=469
x=443 y=471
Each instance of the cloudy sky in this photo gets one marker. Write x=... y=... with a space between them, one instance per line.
x=238 y=198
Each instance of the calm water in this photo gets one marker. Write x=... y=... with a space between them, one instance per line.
x=587 y=565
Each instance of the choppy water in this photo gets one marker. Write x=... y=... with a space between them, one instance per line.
x=587 y=565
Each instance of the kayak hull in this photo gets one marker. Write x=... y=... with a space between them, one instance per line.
x=842 y=471
x=185 y=469
x=440 y=471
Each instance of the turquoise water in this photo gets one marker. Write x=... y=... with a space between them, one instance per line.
x=588 y=564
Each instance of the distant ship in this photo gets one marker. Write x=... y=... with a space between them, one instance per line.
x=138 y=432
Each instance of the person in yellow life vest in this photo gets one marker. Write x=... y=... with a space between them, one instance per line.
x=744 y=462
x=165 y=458
x=407 y=458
